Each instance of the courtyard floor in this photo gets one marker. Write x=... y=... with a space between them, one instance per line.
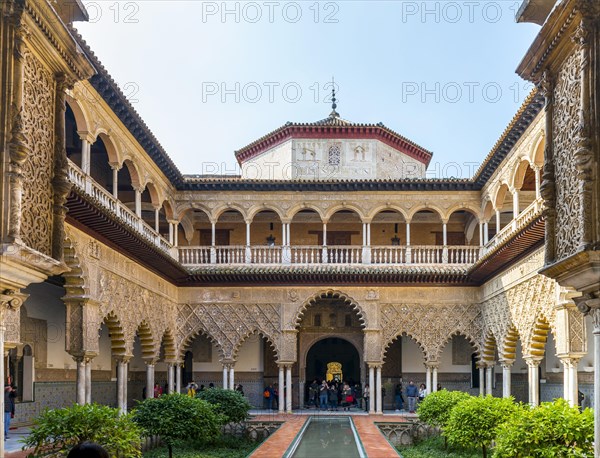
x=375 y=444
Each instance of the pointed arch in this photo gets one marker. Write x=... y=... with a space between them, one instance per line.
x=539 y=337
x=169 y=346
x=147 y=341
x=255 y=331
x=475 y=343
x=489 y=349
x=330 y=294
x=116 y=333
x=76 y=279
x=411 y=336
x=186 y=342
x=508 y=348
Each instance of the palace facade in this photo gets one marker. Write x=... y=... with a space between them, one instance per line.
x=119 y=272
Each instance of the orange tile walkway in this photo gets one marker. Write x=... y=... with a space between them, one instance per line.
x=375 y=444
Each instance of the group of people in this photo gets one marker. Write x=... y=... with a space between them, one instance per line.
x=334 y=394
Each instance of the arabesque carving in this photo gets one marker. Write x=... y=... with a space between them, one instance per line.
x=38 y=129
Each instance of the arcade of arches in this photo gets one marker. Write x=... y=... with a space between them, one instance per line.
x=517 y=335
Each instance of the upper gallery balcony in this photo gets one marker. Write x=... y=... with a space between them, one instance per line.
x=306 y=239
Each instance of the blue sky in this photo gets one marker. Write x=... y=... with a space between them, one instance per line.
x=210 y=77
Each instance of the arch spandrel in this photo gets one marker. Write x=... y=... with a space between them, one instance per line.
x=430 y=326
x=227 y=325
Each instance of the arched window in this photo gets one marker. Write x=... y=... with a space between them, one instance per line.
x=334 y=155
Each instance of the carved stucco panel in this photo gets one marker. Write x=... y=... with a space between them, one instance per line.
x=431 y=326
x=228 y=325
x=38 y=129
x=569 y=212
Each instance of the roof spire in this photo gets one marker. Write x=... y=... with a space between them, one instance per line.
x=333 y=114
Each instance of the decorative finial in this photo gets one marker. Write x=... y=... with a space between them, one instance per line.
x=333 y=114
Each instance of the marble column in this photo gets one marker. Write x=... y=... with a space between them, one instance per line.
x=225 y=371
x=372 y=389
x=379 y=391
x=489 y=380
x=88 y=380
x=177 y=368
x=434 y=381
x=506 y=378
x=428 y=378
x=122 y=384
x=481 y=380
x=533 y=380
x=80 y=399
x=170 y=377
x=280 y=389
x=231 y=377
x=149 y=380
x=288 y=388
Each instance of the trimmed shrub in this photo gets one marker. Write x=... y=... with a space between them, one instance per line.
x=435 y=409
x=475 y=421
x=176 y=417
x=55 y=432
x=554 y=429
x=229 y=403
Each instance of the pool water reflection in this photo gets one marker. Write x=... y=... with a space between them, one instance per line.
x=327 y=437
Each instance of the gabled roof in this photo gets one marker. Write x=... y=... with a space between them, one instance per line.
x=334 y=127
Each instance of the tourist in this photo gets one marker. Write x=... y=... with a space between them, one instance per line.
x=240 y=389
x=9 y=407
x=347 y=398
x=191 y=389
x=313 y=394
x=412 y=393
x=211 y=385
x=202 y=388
x=323 y=389
x=358 y=395
x=439 y=387
x=366 y=396
x=269 y=394
x=88 y=450
x=158 y=391
x=333 y=397
x=422 y=392
x=398 y=397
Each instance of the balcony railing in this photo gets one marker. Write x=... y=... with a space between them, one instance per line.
x=533 y=210
x=106 y=200
x=304 y=255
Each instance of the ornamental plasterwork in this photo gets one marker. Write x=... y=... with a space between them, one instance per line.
x=228 y=325
x=431 y=326
x=38 y=130
x=112 y=285
x=569 y=212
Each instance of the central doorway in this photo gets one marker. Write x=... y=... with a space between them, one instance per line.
x=333 y=350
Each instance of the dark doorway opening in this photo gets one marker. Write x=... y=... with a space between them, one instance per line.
x=333 y=349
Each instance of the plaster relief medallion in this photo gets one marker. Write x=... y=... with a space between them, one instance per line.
x=372 y=295
x=94 y=250
x=293 y=295
x=235 y=295
x=210 y=204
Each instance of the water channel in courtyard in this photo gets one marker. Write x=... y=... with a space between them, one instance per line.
x=327 y=437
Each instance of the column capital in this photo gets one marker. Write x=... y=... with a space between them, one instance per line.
x=432 y=364
x=533 y=361
x=374 y=365
x=507 y=363
x=86 y=136
x=115 y=166
x=122 y=358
